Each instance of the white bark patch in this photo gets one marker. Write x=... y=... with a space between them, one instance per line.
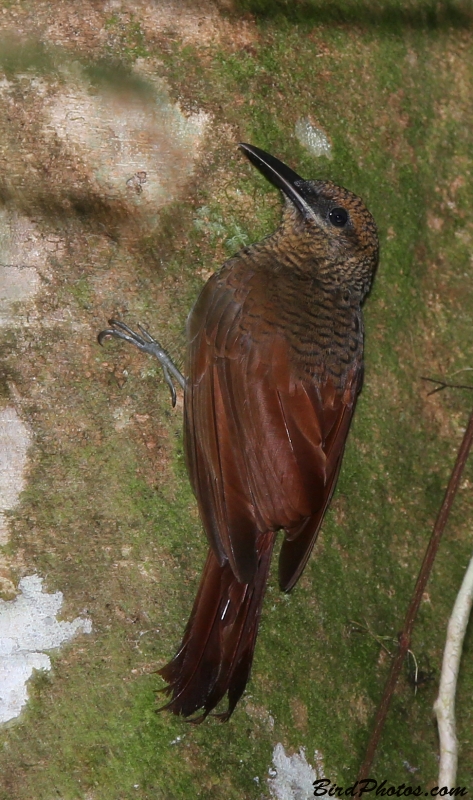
x=23 y=250
x=135 y=150
x=15 y=440
x=28 y=627
x=17 y=285
x=313 y=138
x=292 y=777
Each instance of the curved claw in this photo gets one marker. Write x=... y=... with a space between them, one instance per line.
x=145 y=342
x=170 y=384
x=122 y=331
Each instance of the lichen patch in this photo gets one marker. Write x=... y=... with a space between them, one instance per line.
x=28 y=627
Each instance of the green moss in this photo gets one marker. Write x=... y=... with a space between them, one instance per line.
x=387 y=16
x=81 y=291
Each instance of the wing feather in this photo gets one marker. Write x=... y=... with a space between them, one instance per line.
x=263 y=445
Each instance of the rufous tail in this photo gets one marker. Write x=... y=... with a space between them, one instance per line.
x=216 y=653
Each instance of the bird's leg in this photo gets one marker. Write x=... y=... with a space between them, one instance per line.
x=145 y=342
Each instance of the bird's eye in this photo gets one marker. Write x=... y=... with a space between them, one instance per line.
x=338 y=217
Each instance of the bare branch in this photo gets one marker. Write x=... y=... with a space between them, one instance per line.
x=425 y=570
x=444 y=706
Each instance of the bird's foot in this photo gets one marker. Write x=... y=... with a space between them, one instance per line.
x=145 y=342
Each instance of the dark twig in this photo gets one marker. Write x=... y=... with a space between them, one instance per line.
x=405 y=636
x=359 y=628
x=445 y=385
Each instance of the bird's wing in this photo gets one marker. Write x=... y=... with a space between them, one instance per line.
x=263 y=446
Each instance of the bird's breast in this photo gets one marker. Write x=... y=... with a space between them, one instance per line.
x=323 y=328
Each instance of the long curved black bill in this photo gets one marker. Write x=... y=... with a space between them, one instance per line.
x=279 y=174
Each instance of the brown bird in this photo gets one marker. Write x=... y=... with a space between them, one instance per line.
x=274 y=367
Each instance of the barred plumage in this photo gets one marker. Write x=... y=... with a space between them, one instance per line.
x=274 y=367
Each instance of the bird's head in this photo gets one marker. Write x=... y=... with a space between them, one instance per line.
x=331 y=225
